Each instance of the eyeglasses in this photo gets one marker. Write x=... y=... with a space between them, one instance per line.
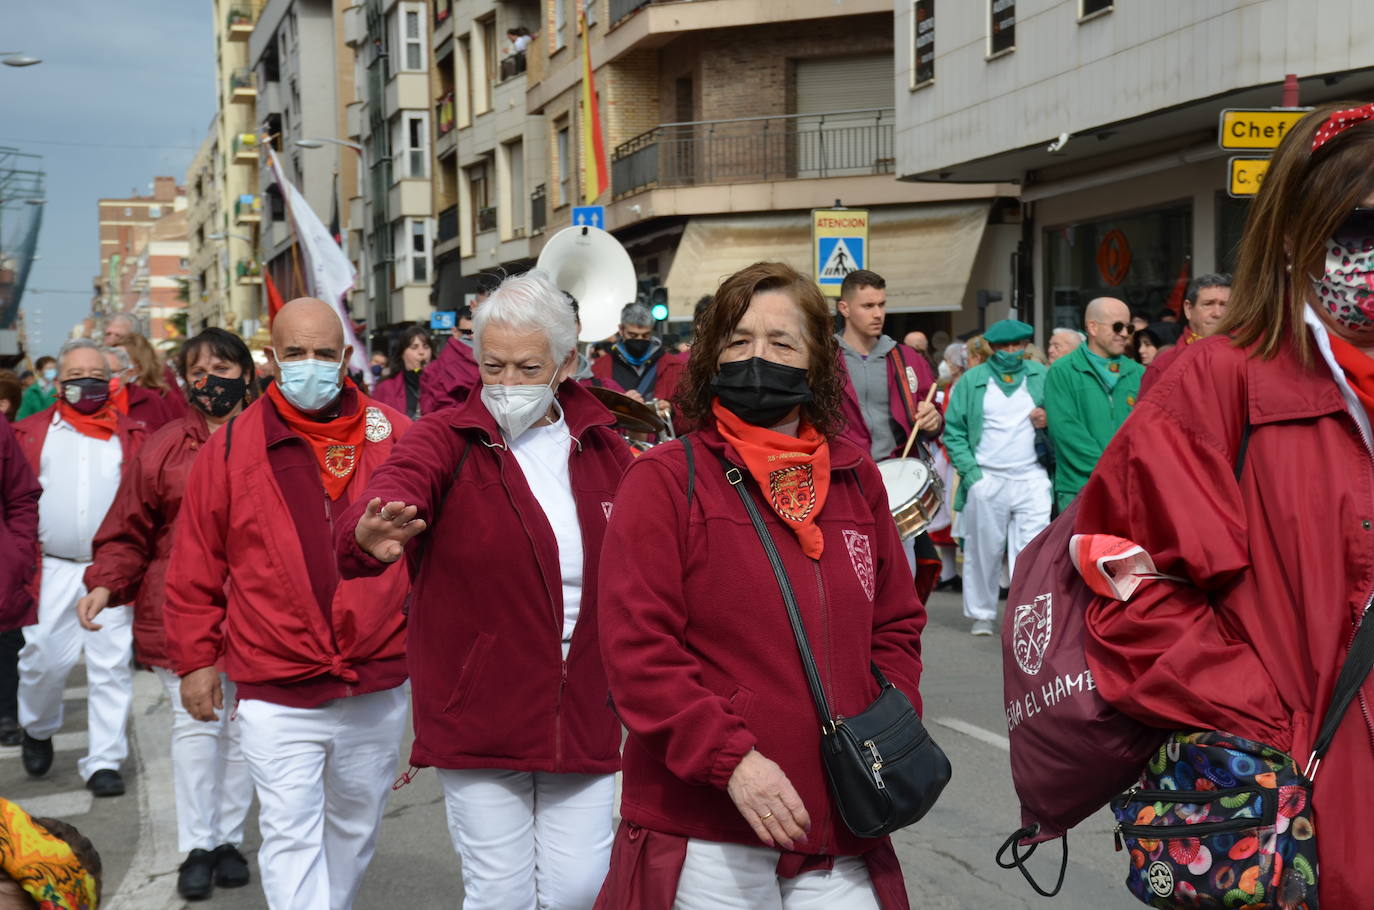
x=466 y=333
x=1356 y=232
x=1118 y=327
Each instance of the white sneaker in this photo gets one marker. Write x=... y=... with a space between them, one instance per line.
x=982 y=627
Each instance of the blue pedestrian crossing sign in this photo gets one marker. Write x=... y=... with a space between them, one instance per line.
x=443 y=319
x=839 y=244
x=589 y=215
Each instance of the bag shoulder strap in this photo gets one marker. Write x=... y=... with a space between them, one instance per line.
x=904 y=385
x=1358 y=662
x=691 y=469
x=736 y=479
x=229 y=437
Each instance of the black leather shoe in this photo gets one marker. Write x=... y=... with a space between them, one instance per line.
x=36 y=754
x=196 y=876
x=106 y=782
x=954 y=584
x=10 y=733
x=231 y=869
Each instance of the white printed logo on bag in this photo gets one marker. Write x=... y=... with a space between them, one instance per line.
x=861 y=555
x=1160 y=878
x=1031 y=629
x=911 y=381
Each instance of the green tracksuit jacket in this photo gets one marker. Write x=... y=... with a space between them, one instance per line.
x=964 y=421
x=1083 y=416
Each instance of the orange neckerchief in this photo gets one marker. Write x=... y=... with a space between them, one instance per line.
x=119 y=396
x=1189 y=336
x=336 y=443
x=100 y=425
x=1358 y=368
x=793 y=472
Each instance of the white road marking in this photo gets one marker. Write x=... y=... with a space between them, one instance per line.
x=74 y=693
x=975 y=732
x=58 y=805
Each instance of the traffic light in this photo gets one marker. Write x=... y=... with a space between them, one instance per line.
x=658 y=303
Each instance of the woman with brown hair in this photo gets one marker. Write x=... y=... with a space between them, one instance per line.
x=1261 y=436
x=150 y=374
x=725 y=801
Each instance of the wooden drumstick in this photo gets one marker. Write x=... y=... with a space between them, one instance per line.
x=911 y=437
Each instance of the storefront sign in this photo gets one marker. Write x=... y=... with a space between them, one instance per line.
x=839 y=245
x=923 y=40
x=1002 y=26
x=1114 y=257
x=1243 y=129
x=1246 y=176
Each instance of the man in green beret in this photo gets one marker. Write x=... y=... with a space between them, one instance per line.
x=1004 y=491
x=1089 y=393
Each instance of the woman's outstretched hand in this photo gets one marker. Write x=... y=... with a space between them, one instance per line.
x=384 y=530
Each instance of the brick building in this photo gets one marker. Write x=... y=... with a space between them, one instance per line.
x=143 y=253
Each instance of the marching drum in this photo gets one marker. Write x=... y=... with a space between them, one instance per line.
x=913 y=493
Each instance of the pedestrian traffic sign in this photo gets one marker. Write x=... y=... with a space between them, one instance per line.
x=441 y=320
x=589 y=216
x=1246 y=176
x=839 y=245
x=1244 y=129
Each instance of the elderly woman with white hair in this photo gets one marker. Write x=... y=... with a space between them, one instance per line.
x=500 y=506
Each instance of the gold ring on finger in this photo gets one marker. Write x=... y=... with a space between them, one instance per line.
x=765 y=817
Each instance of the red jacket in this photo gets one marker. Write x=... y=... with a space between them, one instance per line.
x=151 y=408
x=1281 y=565
x=908 y=374
x=134 y=542
x=699 y=651
x=19 y=492
x=391 y=392
x=238 y=566
x=32 y=433
x=449 y=379
x=671 y=366
x=490 y=687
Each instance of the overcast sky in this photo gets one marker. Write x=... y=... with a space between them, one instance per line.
x=125 y=93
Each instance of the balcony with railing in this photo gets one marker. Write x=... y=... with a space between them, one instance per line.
x=445 y=114
x=239 y=23
x=486 y=219
x=756 y=150
x=539 y=210
x=248 y=209
x=512 y=66
x=248 y=271
x=246 y=148
x=448 y=226
x=622 y=8
x=243 y=85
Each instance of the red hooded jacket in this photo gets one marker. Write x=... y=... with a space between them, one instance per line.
x=238 y=586
x=908 y=376
x=489 y=684
x=1281 y=568
x=32 y=433
x=699 y=651
x=134 y=542
x=19 y=492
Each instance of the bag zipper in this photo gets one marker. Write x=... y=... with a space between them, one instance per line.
x=1266 y=818
x=878 y=760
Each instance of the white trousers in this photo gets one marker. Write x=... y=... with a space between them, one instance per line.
x=52 y=648
x=530 y=840
x=718 y=876
x=322 y=777
x=213 y=788
x=1003 y=514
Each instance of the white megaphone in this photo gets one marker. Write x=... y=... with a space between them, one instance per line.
x=591 y=265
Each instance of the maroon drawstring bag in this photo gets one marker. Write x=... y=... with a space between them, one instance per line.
x=1071 y=752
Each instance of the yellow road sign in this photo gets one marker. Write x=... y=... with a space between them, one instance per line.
x=1256 y=128
x=839 y=245
x=1246 y=176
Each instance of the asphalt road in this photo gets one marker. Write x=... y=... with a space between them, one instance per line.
x=947 y=858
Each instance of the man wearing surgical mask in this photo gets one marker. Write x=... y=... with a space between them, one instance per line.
x=318 y=662
x=512 y=491
x=78 y=448
x=43 y=393
x=639 y=362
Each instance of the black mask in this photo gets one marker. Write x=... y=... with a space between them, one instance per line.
x=760 y=391
x=86 y=396
x=376 y=371
x=216 y=395
x=637 y=348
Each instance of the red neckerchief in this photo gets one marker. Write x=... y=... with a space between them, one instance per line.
x=100 y=425
x=1358 y=368
x=337 y=443
x=119 y=396
x=793 y=472
x=1189 y=336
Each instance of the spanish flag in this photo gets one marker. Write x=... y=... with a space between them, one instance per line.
x=595 y=170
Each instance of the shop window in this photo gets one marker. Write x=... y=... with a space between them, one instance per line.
x=1230 y=225
x=1143 y=258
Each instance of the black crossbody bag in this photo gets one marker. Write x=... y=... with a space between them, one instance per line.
x=885 y=770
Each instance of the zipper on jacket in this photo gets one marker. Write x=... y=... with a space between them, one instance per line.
x=558 y=719
x=825 y=626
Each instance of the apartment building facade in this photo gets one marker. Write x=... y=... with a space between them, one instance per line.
x=144 y=256
x=207 y=260
x=1105 y=113
x=389 y=118
x=727 y=121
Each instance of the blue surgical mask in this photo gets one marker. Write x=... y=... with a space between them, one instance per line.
x=50 y=374
x=310 y=385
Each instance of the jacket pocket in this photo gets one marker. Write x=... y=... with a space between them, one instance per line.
x=741 y=701
x=467 y=677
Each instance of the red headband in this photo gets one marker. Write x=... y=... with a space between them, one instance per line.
x=1339 y=122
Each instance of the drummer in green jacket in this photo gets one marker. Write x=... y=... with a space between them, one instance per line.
x=1089 y=393
x=1004 y=492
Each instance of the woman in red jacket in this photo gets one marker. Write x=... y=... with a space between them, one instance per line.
x=401 y=390
x=725 y=802
x=131 y=550
x=509 y=695
x=1280 y=562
